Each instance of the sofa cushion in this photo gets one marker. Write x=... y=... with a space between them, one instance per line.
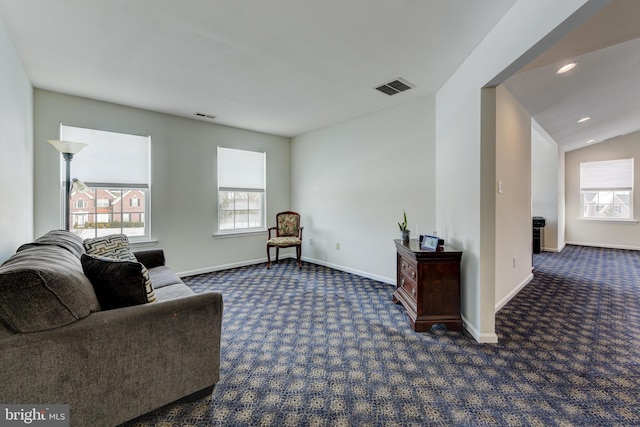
x=116 y=246
x=43 y=287
x=167 y=284
x=177 y=290
x=163 y=276
x=117 y=283
x=60 y=238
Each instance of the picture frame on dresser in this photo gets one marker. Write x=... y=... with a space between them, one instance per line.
x=429 y=243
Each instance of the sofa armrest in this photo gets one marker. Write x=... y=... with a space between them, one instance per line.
x=116 y=365
x=150 y=257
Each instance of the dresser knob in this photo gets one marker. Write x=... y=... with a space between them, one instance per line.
x=413 y=274
x=413 y=292
x=404 y=266
x=402 y=282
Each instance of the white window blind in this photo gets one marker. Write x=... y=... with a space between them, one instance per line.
x=607 y=175
x=109 y=157
x=241 y=169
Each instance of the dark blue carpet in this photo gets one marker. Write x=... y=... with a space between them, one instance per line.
x=320 y=347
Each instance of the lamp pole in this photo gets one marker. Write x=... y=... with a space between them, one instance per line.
x=67 y=184
x=68 y=149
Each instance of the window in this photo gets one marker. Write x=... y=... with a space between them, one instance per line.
x=606 y=189
x=115 y=167
x=241 y=190
x=103 y=219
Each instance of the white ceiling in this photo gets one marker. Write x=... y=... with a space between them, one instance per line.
x=605 y=85
x=287 y=67
x=284 y=67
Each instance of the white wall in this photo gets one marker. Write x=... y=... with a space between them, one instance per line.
x=513 y=202
x=463 y=171
x=183 y=177
x=562 y=204
x=352 y=181
x=16 y=149
x=545 y=155
x=625 y=235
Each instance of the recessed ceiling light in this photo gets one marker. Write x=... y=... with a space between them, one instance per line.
x=566 y=68
x=584 y=119
x=591 y=141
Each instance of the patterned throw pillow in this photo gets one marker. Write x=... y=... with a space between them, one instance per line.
x=116 y=247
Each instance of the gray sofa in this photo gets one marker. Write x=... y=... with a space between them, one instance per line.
x=58 y=347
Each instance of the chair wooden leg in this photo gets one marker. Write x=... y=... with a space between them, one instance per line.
x=298 y=254
x=268 y=258
x=277 y=253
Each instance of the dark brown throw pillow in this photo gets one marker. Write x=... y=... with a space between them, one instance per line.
x=116 y=283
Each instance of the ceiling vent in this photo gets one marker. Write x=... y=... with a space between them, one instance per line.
x=396 y=86
x=205 y=116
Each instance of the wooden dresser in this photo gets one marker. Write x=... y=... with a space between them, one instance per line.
x=428 y=285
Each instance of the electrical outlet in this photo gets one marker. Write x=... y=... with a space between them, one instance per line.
x=311 y=241
x=337 y=246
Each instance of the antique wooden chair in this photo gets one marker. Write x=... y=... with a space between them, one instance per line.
x=288 y=234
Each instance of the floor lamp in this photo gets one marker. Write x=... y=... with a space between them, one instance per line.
x=68 y=150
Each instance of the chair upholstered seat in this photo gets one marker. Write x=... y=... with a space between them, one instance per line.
x=284 y=241
x=288 y=234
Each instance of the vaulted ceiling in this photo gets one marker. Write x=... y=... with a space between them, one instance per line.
x=604 y=85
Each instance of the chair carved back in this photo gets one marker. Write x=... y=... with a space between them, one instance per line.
x=288 y=224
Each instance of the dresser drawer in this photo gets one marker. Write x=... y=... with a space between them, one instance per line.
x=408 y=278
x=409 y=286
x=408 y=268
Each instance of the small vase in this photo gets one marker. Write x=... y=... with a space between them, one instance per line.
x=405 y=235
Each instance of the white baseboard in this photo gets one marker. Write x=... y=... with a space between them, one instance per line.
x=223 y=267
x=304 y=259
x=352 y=271
x=482 y=338
x=513 y=292
x=605 y=245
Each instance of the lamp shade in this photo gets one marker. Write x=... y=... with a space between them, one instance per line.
x=79 y=186
x=69 y=147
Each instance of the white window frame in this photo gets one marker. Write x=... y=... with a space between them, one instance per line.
x=255 y=184
x=603 y=179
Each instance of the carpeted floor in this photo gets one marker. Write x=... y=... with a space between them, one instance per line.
x=320 y=347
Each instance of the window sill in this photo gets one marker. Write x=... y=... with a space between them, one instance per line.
x=238 y=233
x=143 y=243
x=609 y=220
